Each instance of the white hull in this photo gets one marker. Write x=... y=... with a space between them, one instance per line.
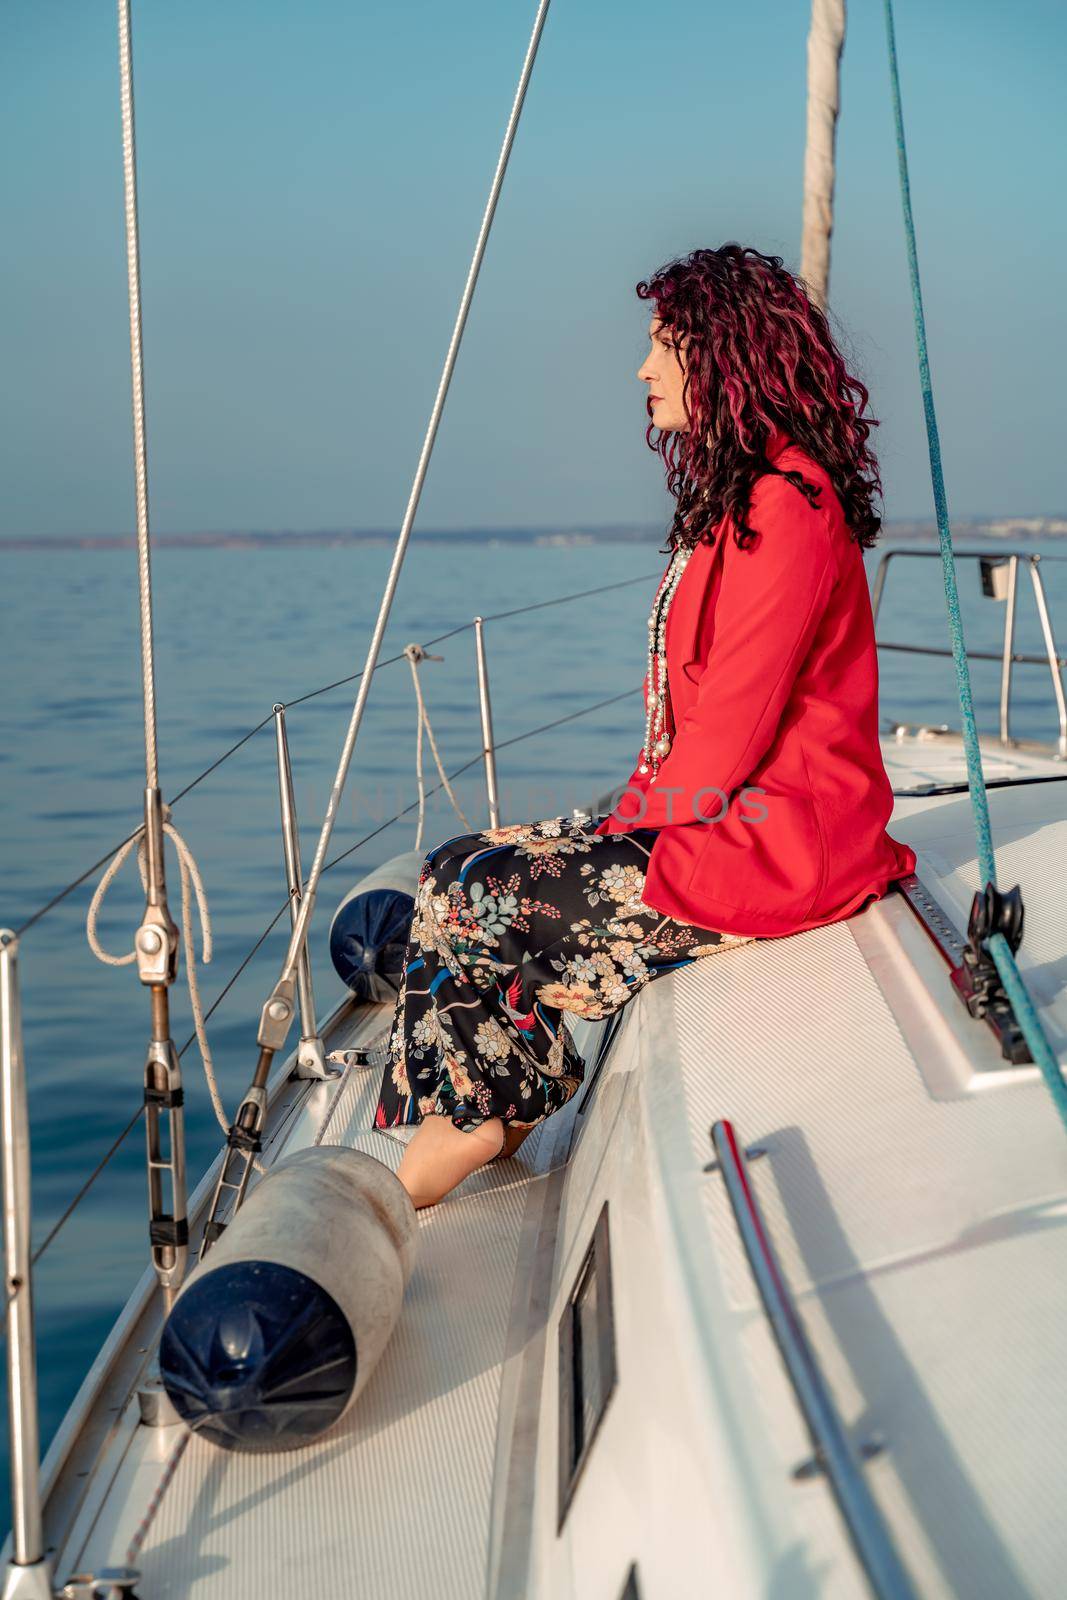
x=914 y=1186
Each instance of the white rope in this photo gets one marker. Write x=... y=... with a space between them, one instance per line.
x=192 y=883
x=415 y=654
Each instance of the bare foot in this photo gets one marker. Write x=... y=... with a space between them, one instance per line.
x=440 y=1155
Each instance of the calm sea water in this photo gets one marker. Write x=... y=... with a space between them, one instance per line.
x=237 y=630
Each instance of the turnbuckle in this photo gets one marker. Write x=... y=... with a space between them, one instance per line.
x=977 y=981
x=156 y=943
x=168 y=1223
x=243 y=1144
x=243 y=1139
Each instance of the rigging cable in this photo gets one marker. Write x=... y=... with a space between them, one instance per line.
x=312 y=694
x=279 y=1007
x=120 y=1138
x=156 y=939
x=999 y=948
x=76 y=883
x=273 y=1009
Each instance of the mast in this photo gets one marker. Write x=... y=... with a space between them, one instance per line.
x=826 y=41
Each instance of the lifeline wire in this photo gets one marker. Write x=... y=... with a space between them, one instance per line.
x=463 y=627
x=457 y=772
x=307 y=904
x=72 y=1205
x=76 y=1200
x=191 y=881
x=499 y=744
x=76 y=883
x=121 y=1137
x=999 y=948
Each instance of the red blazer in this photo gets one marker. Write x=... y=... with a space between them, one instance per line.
x=773 y=679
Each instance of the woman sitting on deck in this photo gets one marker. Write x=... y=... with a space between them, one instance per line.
x=759 y=801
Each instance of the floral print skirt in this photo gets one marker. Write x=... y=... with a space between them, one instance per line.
x=511 y=928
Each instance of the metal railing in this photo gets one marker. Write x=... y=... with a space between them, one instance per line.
x=327 y=688
x=28 y=1569
x=310 y=1056
x=19 y=1315
x=29 y=1574
x=1005 y=562
x=486 y=757
x=999 y=573
x=833 y=1451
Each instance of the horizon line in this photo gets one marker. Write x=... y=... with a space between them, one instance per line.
x=1040 y=526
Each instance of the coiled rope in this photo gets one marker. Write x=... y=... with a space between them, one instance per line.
x=192 y=884
x=998 y=946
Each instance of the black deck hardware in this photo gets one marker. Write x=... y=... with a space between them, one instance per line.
x=166 y=1099
x=976 y=979
x=165 y=1230
x=971 y=968
x=357 y=1055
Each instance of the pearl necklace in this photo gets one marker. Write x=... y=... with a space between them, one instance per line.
x=657 y=739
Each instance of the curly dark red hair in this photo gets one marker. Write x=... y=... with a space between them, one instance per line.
x=759 y=354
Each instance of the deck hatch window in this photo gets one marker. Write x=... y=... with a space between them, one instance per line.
x=587 y=1369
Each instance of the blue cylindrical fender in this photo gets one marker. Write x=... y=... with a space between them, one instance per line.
x=276 y=1332
x=369 y=931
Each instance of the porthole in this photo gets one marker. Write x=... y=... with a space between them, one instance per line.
x=587 y=1370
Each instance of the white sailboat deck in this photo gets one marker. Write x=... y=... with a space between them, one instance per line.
x=608 y=1285
x=916 y=1191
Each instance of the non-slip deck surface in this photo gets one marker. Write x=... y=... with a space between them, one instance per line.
x=397 y=1503
x=924 y=1236
x=1029 y=830
x=926 y=1240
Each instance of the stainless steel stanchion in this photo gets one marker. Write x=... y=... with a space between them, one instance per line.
x=488 y=752
x=28 y=1575
x=310 y=1057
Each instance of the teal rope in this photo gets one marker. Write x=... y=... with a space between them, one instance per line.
x=999 y=948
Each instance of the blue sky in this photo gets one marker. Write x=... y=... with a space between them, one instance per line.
x=312 y=179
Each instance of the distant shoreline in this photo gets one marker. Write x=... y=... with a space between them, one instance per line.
x=1051 y=528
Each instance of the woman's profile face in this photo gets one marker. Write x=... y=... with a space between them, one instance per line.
x=663 y=370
